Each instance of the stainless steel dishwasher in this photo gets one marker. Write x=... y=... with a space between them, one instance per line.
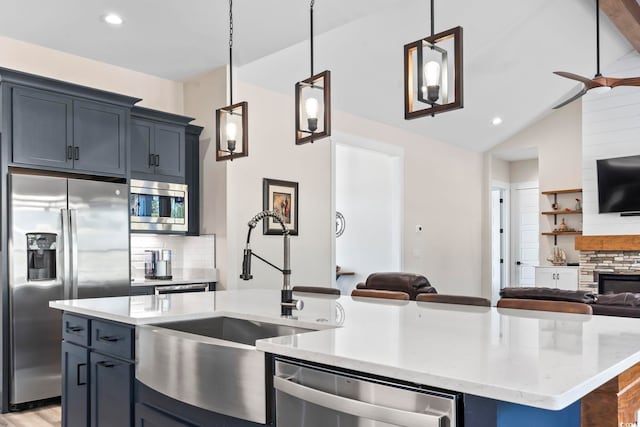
x=312 y=396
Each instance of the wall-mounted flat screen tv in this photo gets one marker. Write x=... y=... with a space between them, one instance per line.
x=619 y=184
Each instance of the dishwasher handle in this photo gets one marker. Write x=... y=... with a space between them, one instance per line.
x=356 y=407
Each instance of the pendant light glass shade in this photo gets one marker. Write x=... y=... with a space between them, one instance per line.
x=231 y=132
x=313 y=108
x=433 y=74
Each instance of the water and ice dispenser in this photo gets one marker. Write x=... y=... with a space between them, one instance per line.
x=41 y=256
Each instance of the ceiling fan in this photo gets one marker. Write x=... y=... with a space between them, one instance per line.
x=598 y=83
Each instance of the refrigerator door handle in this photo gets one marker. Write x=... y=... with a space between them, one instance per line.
x=74 y=252
x=65 y=254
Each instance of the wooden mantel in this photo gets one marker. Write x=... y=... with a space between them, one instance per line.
x=608 y=243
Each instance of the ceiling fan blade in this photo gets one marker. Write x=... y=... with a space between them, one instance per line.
x=589 y=83
x=573 y=98
x=631 y=81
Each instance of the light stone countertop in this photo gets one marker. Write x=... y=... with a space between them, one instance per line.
x=541 y=359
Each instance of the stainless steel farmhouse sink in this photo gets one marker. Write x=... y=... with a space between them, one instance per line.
x=209 y=363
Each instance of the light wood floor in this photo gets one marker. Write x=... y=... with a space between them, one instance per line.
x=47 y=416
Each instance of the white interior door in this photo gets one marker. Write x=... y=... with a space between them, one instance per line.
x=525 y=231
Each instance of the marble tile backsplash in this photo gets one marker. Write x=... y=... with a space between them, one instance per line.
x=189 y=252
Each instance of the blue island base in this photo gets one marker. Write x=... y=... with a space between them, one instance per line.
x=483 y=412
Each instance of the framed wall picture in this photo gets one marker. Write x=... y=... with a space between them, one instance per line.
x=280 y=197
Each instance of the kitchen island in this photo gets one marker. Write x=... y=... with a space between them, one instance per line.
x=509 y=367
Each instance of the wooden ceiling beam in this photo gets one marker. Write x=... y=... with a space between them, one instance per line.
x=625 y=14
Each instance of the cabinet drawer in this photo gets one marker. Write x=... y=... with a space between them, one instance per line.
x=75 y=329
x=112 y=338
x=147 y=417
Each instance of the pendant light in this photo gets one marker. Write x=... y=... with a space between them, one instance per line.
x=231 y=121
x=433 y=73
x=313 y=101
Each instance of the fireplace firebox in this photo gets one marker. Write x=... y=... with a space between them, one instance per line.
x=609 y=283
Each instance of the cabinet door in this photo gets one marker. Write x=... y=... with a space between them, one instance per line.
x=99 y=133
x=111 y=391
x=545 y=277
x=75 y=391
x=42 y=128
x=170 y=152
x=147 y=417
x=567 y=278
x=142 y=155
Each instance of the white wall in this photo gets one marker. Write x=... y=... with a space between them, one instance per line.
x=157 y=93
x=500 y=173
x=368 y=194
x=611 y=128
x=523 y=171
x=273 y=154
x=202 y=96
x=442 y=192
x=558 y=141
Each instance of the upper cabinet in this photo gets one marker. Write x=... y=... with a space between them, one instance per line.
x=42 y=128
x=158 y=145
x=99 y=138
x=55 y=125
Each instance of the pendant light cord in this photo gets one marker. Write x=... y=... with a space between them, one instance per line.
x=230 y=52
x=432 y=21
x=311 y=27
x=598 y=38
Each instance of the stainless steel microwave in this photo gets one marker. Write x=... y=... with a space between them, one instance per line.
x=158 y=206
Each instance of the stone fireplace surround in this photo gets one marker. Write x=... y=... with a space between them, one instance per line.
x=606 y=254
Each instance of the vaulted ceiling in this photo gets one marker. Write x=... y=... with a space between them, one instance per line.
x=511 y=48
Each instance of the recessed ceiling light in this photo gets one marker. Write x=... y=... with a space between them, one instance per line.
x=496 y=121
x=113 y=19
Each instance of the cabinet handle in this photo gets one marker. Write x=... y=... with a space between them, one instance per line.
x=69 y=152
x=77 y=155
x=75 y=328
x=109 y=338
x=151 y=160
x=106 y=364
x=157 y=159
x=81 y=365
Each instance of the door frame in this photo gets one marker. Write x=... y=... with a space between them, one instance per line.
x=397 y=154
x=505 y=238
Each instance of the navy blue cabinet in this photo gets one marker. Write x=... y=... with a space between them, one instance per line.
x=75 y=389
x=158 y=150
x=97 y=373
x=42 y=128
x=111 y=391
x=192 y=177
x=59 y=126
x=99 y=138
x=148 y=417
x=142 y=146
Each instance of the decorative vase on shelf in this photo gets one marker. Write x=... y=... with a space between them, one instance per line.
x=578 y=205
x=563 y=226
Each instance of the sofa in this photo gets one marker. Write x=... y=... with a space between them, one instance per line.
x=412 y=284
x=622 y=305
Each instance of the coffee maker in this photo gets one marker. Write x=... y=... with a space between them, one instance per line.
x=157 y=264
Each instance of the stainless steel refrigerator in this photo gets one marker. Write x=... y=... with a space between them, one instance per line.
x=69 y=238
